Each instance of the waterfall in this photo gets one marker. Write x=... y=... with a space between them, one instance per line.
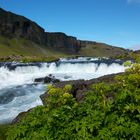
x=18 y=92
x=26 y=74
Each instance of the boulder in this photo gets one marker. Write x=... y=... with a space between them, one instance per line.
x=39 y=80
x=47 y=79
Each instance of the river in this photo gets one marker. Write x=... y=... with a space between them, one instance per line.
x=19 y=92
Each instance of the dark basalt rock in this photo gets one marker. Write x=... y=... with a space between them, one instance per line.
x=13 y=25
x=21 y=116
x=51 y=79
x=79 y=87
x=16 y=26
x=47 y=79
x=13 y=65
x=63 y=43
x=39 y=80
x=76 y=86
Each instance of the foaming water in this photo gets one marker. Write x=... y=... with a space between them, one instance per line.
x=18 y=92
x=23 y=98
x=84 y=71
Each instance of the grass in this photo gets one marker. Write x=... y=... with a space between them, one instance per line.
x=26 y=51
x=100 y=50
x=24 y=47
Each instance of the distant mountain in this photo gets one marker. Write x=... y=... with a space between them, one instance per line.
x=21 y=36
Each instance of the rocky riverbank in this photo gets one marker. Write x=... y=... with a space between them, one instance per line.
x=79 y=87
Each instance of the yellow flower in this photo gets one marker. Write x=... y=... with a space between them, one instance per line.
x=66 y=95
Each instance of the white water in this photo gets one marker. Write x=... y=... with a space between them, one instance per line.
x=22 y=76
x=21 y=103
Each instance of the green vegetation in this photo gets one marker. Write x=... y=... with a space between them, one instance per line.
x=27 y=51
x=108 y=112
x=136 y=57
x=27 y=59
x=19 y=47
x=38 y=59
x=130 y=56
x=100 y=50
x=3 y=130
x=127 y=63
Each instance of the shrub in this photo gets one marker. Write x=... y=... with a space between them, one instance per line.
x=127 y=63
x=67 y=88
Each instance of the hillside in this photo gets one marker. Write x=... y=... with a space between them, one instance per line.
x=100 y=49
x=21 y=36
x=23 y=47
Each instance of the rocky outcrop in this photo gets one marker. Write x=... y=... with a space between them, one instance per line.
x=47 y=79
x=63 y=43
x=12 y=25
x=15 y=26
x=79 y=87
x=21 y=116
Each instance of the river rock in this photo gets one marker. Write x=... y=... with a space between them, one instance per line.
x=47 y=79
x=39 y=80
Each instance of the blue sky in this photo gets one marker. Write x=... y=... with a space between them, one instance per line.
x=116 y=22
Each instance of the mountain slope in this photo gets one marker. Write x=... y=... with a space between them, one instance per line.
x=23 y=47
x=21 y=36
x=100 y=49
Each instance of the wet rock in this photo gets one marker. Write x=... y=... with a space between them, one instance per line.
x=39 y=80
x=21 y=116
x=47 y=79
